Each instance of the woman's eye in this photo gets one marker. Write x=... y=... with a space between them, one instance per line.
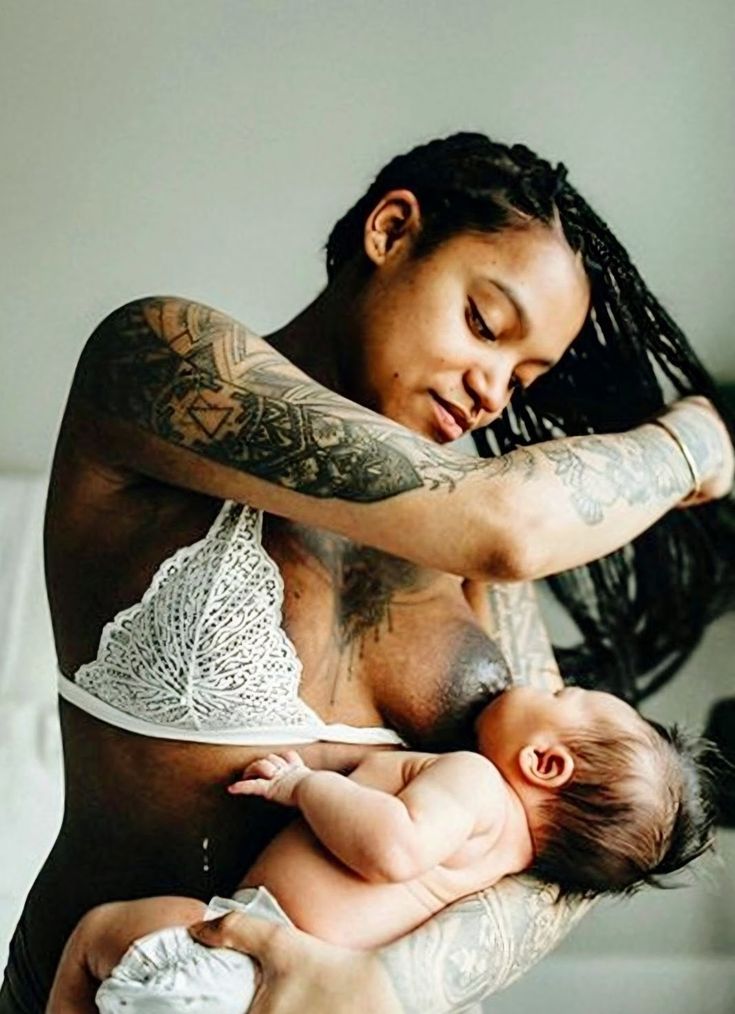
x=479 y=324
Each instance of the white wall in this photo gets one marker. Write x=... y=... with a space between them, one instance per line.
x=205 y=147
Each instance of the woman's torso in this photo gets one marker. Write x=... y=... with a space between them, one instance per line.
x=381 y=641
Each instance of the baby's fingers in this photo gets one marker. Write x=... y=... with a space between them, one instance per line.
x=250 y=787
x=261 y=768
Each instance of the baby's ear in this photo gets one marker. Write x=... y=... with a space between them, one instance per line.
x=548 y=767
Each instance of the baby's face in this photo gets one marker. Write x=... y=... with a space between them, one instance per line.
x=523 y=716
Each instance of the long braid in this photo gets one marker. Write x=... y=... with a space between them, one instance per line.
x=640 y=611
x=650 y=602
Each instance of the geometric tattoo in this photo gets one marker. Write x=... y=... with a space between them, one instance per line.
x=200 y=380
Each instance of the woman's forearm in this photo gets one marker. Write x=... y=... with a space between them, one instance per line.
x=477 y=946
x=573 y=500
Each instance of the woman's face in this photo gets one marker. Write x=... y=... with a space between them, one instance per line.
x=444 y=339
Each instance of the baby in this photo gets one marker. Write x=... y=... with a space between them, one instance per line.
x=573 y=786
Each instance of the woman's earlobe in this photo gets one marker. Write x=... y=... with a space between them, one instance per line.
x=376 y=245
x=394 y=219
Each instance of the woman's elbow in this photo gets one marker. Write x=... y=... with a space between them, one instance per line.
x=504 y=538
x=513 y=556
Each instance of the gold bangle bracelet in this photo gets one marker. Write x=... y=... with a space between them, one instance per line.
x=691 y=464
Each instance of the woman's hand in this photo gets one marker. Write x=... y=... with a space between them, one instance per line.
x=696 y=422
x=274 y=777
x=300 y=974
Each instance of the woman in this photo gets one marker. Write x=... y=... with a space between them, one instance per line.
x=462 y=278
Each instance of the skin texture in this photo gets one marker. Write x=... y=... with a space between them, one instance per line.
x=175 y=407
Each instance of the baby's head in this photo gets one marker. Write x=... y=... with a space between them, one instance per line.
x=612 y=800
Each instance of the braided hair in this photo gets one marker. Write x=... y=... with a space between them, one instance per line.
x=640 y=611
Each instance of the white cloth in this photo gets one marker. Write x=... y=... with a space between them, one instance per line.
x=31 y=784
x=27 y=657
x=168 y=972
x=203 y=656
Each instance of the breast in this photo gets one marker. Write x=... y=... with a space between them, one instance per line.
x=383 y=640
x=436 y=681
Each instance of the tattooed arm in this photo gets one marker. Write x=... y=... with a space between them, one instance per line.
x=186 y=395
x=510 y=616
x=478 y=946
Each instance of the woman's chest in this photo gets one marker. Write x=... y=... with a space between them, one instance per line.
x=380 y=639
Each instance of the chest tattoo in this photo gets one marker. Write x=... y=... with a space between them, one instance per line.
x=397 y=626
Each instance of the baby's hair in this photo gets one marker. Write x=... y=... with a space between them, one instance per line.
x=626 y=362
x=637 y=807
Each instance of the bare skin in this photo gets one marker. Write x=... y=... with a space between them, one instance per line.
x=447 y=855
x=142 y=466
x=379 y=852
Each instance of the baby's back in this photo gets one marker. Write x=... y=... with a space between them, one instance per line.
x=324 y=897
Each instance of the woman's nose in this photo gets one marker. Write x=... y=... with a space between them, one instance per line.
x=490 y=390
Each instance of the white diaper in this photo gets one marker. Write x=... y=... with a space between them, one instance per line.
x=168 y=971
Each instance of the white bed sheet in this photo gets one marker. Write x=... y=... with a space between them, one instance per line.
x=31 y=791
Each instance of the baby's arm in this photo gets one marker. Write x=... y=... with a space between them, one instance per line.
x=398 y=814
x=102 y=937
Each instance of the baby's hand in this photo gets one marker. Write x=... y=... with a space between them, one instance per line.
x=274 y=777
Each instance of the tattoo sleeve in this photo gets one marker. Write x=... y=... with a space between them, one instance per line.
x=482 y=943
x=197 y=380
x=634 y=468
x=201 y=381
x=518 y=627
x=478 y=946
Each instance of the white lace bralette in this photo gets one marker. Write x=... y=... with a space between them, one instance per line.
x=203 y=657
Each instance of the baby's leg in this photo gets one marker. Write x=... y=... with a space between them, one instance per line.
x=100 y=940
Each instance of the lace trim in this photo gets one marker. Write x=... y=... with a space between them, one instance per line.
x=262 y=736
x=205 y=649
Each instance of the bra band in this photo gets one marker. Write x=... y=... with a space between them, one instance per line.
x=273 y=735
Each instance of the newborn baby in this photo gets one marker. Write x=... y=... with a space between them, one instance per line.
x=573 y=786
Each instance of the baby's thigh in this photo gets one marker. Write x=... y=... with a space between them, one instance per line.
x=166 y=972
x=101 y=939
x=109 y=930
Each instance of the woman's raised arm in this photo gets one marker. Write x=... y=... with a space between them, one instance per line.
x=182 y=393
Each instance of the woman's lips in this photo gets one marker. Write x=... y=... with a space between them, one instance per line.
x=448 y=425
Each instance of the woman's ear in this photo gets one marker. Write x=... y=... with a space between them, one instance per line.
x=548 y=767
x=393 y=222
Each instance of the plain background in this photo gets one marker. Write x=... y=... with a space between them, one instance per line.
x=205 y=147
